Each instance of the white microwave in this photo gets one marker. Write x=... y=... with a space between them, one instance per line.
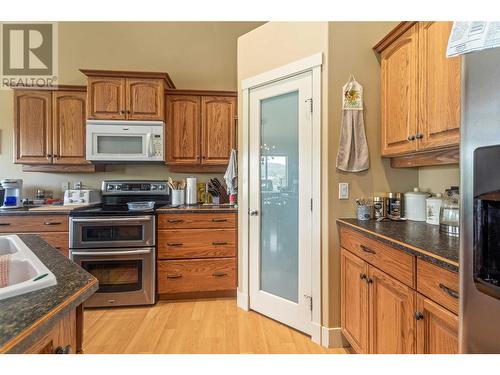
x=124 y=141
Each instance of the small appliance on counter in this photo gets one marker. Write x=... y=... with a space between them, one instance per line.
x=415 y=205
x=84 y=197
x=13 y=189
x=449 y=216
x=433 y=209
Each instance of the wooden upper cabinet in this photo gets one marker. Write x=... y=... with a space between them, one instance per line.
x=201 y=129
x=183 y=129
x=125 y=95
x=218 y=129
x=68 y=122
x=145 y=99
x=399 y=85
x=33 y=128
x=106 y=98
x=391 y=311
x=439 y=88
x=437 y=328
x=354 y=301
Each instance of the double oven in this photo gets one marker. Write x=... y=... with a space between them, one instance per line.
x=117 y=246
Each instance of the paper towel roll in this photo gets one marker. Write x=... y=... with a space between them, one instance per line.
x=191 y=190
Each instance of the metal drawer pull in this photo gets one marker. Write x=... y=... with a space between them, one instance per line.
x=4 y=224
x=362 y=276
x=216 y=220
x=448 y=291
x=175 y=276
x=418 y=315
x=369 y=281
x=52 y=223
x=174 y=244
x=219 y=243
x=176 y=221
x=367 y=250
x=219 y=274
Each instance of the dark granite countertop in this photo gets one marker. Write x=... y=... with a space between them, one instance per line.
x=26 y=318
x=25 y=211
x=417 y=238
x=199 y=208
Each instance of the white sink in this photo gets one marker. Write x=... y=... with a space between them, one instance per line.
x=26 y=273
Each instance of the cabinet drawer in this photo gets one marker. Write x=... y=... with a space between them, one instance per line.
x=394 y=262
x=438 y=284
x=60 y=241
x=196 y=243
x=200 y=275
x=35 y=223
x=197 y=221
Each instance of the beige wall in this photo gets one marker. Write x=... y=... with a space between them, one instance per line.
x=273 y=45
x=198 y=55
x=439 y=178
x=351 y=52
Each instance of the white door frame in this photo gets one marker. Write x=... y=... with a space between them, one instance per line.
x=313 y=64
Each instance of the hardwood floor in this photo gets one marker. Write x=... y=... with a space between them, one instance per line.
x=214 y=326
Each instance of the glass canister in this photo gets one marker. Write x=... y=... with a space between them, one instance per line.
x=394 y=205
x=449 y=217
x=379 y=210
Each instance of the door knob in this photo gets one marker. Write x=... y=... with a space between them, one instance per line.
x=253 y=212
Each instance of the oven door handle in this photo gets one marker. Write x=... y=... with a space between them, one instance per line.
x=108 y=253
x=115 y=219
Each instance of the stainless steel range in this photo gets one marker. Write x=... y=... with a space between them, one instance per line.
x=117 y=244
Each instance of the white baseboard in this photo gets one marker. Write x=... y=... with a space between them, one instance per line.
x=316 y=333
x=333 y=338
x=242 y=300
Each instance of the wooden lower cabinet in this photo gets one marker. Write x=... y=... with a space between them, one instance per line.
x=354 y=296
x=437 y=328
x=391 y=306
x=381 y=314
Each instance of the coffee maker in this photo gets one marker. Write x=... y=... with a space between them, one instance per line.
x=13 y=189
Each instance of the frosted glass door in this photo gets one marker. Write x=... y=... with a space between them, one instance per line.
x=280 y=197
x=279 y=209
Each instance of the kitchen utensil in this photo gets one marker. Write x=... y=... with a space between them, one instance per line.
x=415 y=204
x=433 y=208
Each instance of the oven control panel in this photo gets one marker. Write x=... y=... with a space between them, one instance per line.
x=134 y=187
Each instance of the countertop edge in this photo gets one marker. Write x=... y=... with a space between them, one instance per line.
x=25 y=339
x=451 y=265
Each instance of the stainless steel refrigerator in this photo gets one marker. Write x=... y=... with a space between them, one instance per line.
x=480 y=204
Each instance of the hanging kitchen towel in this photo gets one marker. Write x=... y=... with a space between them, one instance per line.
x=231 y=175
x=353 y=153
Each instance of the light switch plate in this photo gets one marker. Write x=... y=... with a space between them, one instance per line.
x=343 y=190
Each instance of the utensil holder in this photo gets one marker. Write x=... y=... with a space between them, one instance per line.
x=364 y=212
x=178 y=197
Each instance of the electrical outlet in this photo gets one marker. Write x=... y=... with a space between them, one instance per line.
x=343 y=190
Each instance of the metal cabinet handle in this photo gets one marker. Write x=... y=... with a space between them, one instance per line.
x=48 y=155
x=420 y=136
x=197 y=157
x=174 y=221
x=4 y=224
x=52 y=223
x=448 y=291
x=216 y=220
x=367 y=250
x=369 y=280
x=63 y=350
x=219 y=274
x=219 y=243
x=418 y=315
x=362 y=276
x=253 y=212
x=55 y=156
x=174 y=276
x=411 y=138
x=174 y=244
x=122 y=111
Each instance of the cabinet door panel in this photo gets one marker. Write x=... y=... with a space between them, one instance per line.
x=354 y=301
x=145 y=99
x=69 y=127
x=439 y=104
x=183 y=129
x=391 y=309
x=437 y=331
x=33 y=127
x=106 y=98
x=399 y=94
x=218 y=129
